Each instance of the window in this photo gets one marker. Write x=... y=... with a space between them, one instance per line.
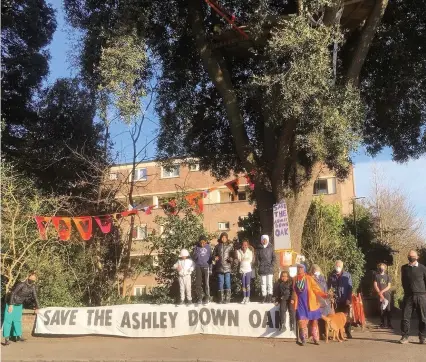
x=223 y=225
x=113 y=176
x=140 y=174
x=194 y=167
x=242 y=196
x=139 y=290
x=325 y=186
x=169 y=172
x=139 y=232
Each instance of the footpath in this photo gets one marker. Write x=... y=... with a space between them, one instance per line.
x=370 y=345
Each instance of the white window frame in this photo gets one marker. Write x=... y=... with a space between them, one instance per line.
x=113 y=176
x=329 y=190
x=143 y=290
x=139 y=232
x=223 y=225
x=194 y=167
x=167 y=175
x=137 y=172
x=241 y=228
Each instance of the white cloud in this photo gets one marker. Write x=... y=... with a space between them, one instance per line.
x=409 y=177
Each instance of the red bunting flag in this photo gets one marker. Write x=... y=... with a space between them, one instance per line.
x=249 y=181
x=233 y=186
x=104 y=222
x=42 y=223
x=148 y=209
x=62 y=226
x=84 y=226
x=129 y=212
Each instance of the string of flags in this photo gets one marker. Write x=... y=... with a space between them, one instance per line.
x=84 y=224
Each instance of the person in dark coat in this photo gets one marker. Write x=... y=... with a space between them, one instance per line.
x=341 y=282
x=283 y=297
x=413 y=277
x=265 y=259
x=202 y=256
x=223 y=258
x=23 y=292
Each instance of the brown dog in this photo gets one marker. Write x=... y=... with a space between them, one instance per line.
x=335 y=322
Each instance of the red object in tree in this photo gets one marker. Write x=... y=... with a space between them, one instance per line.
x=233 y=186
x=230 y=18
x=63 y=227
x=84 y=226
x=129 y=212
x=148 y=209
x=104 y=222
x=42 y=223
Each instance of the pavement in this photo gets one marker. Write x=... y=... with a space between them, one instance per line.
x=369 y=345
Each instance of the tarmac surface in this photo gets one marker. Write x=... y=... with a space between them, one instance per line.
x=369 y=345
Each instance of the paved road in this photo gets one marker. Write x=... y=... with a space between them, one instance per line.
x=371 y=345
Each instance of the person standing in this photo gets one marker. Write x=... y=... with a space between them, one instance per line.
x=202 y=259
x=382 y=285
x=265 y=258
x=245 y=258
x=413 y=277
x=325 y=305
x=23 y=292
x=284 y=298
x=341 y=282
x=184 y=267
x=308 y=312
x=222 y=256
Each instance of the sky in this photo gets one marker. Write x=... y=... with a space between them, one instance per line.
x=409 y=177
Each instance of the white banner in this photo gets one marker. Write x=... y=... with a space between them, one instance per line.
x=166 y=320
x=281 y=227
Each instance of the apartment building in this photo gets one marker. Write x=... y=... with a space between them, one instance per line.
x=222 y=208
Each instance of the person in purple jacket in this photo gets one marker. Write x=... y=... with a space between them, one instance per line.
x=202 y=256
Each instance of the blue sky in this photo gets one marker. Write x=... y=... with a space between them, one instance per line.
x=409 y=177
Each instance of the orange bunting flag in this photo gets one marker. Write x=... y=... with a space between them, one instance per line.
x=196 y=199
x=42 y=223
x=233 y=186
x=62 y=226
x=104 y=222
x=84 y=226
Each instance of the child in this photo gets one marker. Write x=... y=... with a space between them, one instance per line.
x=223 y=263
x=382 y=285
x=245 y=257
x=283 y=294
x=184 y=267
x=202 y=258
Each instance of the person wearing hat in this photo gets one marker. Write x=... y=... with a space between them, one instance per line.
x=265 y=258
x=184 y=267
x=306 y=304
x=202 y=256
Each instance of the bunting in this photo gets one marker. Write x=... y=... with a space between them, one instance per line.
x=104 y=222
x=233 y=186
x=84 y=226
x=62 y=226
x=42 y=223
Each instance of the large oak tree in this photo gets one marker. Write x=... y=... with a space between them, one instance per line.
x=301 y=92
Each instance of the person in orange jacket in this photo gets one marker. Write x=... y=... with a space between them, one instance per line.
x=308 y=310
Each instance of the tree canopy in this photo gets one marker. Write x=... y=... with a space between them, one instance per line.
x=283 y=102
